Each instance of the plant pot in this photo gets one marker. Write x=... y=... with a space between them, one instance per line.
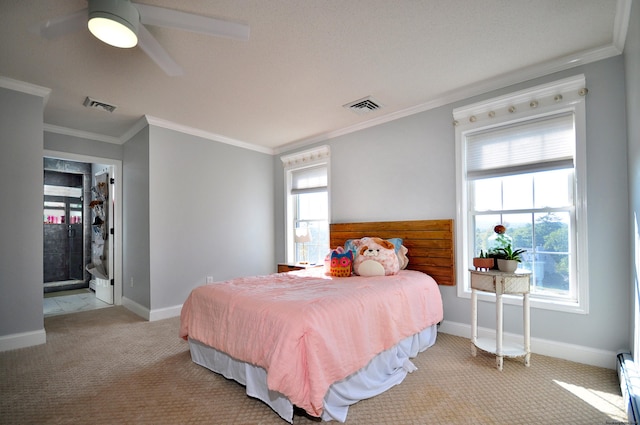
x=482 y=263
x=507 y=266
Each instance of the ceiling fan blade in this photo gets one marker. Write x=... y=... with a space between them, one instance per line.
x=153 y=15
x=157 y=53
x=63 y=25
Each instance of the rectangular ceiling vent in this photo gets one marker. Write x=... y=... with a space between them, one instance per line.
x=92 y=103
x=364 y=105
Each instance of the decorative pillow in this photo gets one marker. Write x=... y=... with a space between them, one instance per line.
x=341 y=263
x=403 y=260
x=376 y=257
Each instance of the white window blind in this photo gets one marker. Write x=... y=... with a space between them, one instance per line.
x=309 y=180
x=544 y=144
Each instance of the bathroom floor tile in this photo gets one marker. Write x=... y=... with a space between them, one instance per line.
x=65 y=304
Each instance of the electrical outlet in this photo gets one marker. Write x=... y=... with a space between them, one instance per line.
x=209 y=279
x=132 y=282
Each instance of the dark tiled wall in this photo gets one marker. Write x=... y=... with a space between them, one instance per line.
x=59 y=249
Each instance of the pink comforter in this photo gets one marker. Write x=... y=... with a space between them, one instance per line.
x=308 y=330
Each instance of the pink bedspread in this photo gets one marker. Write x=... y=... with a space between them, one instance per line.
x=309 y=330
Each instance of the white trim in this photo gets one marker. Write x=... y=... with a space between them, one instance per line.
x=151 y=315
x=165 y=313
x=621 y=23
x=561 y=350
x=319 y=155
x=22 y=340
x=136 y=308
x=521 y=100
x=534 y=302
x=50 y=128
x=28 y=88
x=158 y=122
x=139 y=125
x=117 y=223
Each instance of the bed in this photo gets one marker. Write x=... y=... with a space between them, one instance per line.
x=304 y=340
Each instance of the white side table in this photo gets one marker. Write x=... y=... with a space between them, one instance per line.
x=500 y=283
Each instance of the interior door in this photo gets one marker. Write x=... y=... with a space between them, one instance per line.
x=101 y=242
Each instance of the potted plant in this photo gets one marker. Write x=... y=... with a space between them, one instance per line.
x=483 y=262
x=510 y=258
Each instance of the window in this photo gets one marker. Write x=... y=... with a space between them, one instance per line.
x=520 y=163
x=307 y=198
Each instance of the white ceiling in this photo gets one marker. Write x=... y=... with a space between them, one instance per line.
x=304 y=59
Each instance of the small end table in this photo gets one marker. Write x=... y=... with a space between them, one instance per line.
x=500 y=283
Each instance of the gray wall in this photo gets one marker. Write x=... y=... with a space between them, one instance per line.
x=135 y=218
x=405 y=169
x=81 y=146
x=632 y=79
x=21 y=176
x=193 y=208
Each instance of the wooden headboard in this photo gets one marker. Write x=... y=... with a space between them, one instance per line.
x=430 y=243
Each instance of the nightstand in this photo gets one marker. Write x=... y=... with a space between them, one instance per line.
x=285 y=267
x=500 y=283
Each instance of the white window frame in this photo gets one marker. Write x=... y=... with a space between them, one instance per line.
x=299 y=160
x=567 y=95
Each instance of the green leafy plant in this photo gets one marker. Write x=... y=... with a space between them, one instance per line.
x=509 y=254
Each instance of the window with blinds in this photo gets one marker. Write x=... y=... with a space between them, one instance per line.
x=519 y=162
x=307 y=175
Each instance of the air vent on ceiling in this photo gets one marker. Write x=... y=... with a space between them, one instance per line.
x=364 y=105
x=92 y=103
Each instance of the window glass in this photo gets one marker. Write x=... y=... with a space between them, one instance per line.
x=490 y=198
x=517 y=193
x=552 y=189
x=544 y=235
x=312 y=212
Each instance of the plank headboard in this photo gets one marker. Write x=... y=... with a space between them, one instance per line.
x=430 y=243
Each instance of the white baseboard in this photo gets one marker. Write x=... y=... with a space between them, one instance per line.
x=151 y=315
x=136 y=308
x=545 y=347
x=165 y=313
x=22 y=340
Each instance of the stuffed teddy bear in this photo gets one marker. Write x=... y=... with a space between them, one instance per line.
x=376 y=257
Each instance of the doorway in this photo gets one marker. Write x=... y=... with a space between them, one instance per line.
x=70 y=212
x=65 y=238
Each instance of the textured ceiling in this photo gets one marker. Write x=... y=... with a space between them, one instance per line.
x=303 y=61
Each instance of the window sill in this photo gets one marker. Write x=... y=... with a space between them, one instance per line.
x=535 y=302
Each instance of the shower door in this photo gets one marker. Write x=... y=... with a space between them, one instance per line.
x=63 y=230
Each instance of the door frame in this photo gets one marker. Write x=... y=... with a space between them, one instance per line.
x=117 y=213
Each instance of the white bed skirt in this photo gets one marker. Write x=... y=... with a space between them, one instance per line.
x=387 y=369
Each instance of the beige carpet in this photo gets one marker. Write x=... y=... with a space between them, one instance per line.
x=110 y=367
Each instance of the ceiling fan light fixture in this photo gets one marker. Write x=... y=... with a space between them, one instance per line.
x=114 y=22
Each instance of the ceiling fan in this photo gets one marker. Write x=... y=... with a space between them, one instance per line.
x=122 y=24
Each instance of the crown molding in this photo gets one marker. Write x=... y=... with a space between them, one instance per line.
x=308 y=157
x=466 y=92
x=158 y=122
x=135 y=128
x=621 y=23
x=50 y=128
x=28 y=88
